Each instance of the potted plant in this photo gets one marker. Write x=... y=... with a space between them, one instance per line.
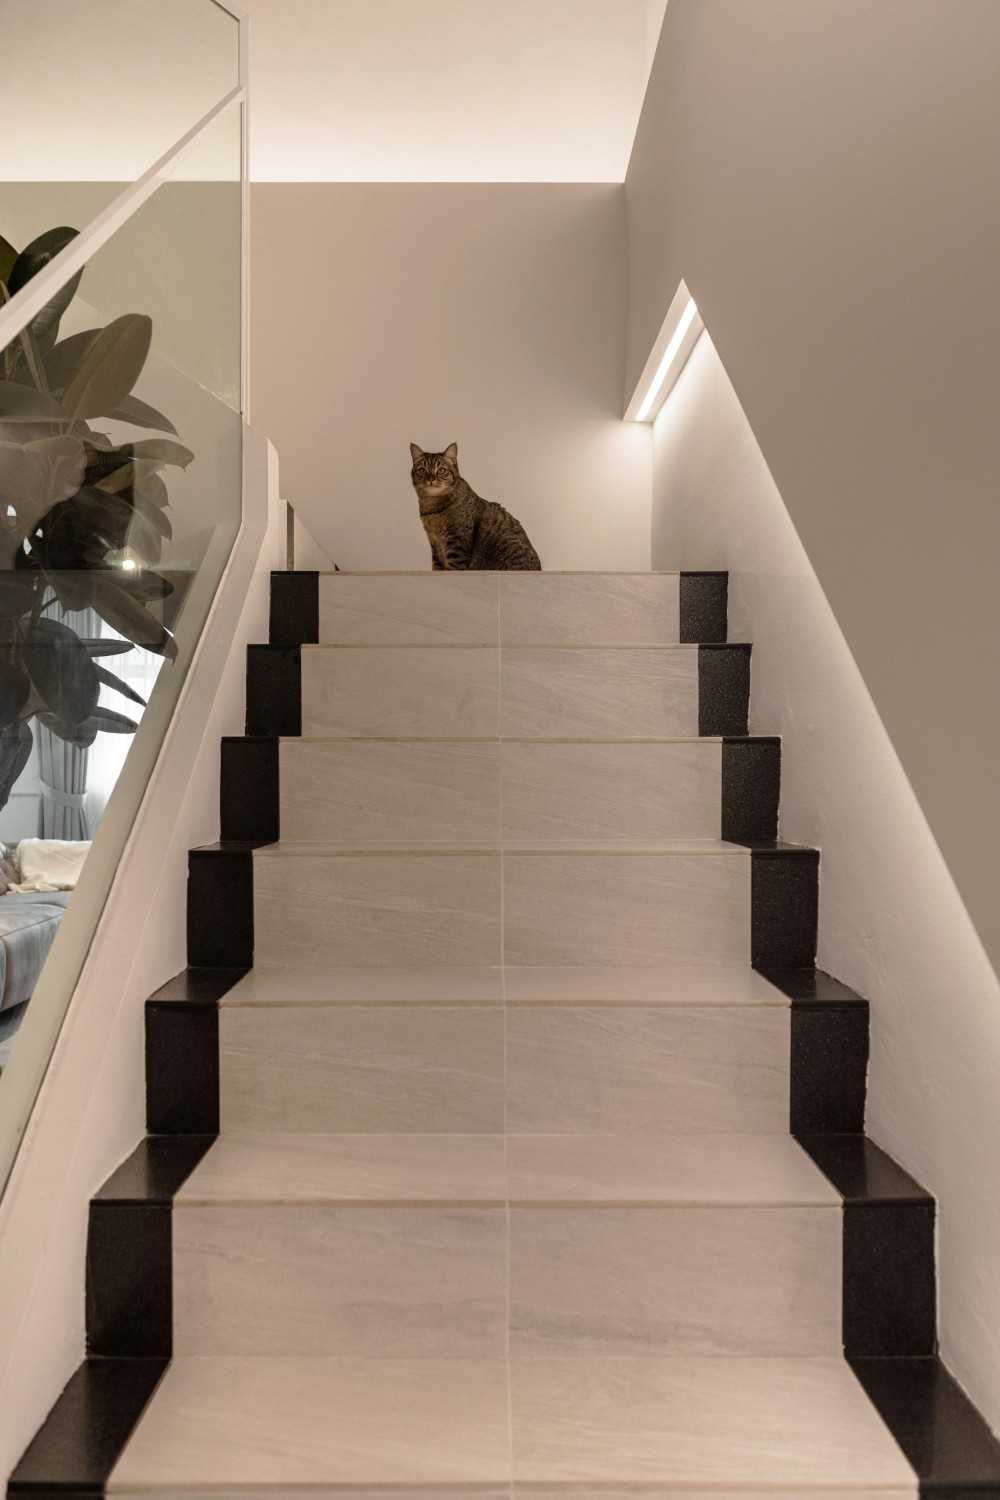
x=72 y=500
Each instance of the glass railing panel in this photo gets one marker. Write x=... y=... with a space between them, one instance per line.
x=95 y=93
x=120 y=499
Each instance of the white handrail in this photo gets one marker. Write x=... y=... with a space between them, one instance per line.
x=16 y=314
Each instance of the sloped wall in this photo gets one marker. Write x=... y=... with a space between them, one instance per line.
x=487 y=314
x=824 y=177
x=892 y=922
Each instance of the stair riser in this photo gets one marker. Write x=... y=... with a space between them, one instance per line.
x=491 y=609
x=569 y=1069
x=446 y=908
x=432 y=792
x=307 y=1279
x=481 y=692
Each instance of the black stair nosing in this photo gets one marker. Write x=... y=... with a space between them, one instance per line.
x=249 y=792
x=751 y=787
x=807 y=984
x=197 y=986
x=724 y=688
x=889 y=1283
x=294 y=608
x=155 y=1170
x=81 y=1440
x=942 y=1435
x=703 y=607
x=274 y=690
x=861 y=1171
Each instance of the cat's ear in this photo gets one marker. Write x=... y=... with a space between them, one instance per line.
x=451 y=453
x=416 y=452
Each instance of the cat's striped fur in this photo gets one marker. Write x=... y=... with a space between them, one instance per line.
x=465 y=531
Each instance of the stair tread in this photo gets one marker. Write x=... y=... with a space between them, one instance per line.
x=289 y=850
x=755 y=1171
x=680 y=983
x=264 y=1423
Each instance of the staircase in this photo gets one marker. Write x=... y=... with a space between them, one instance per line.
x=504 y=1137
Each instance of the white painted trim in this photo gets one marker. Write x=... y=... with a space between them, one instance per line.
x=244 y=45
x=657 y=379
x=19 y=311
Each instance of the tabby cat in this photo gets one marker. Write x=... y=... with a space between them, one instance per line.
x=463 y=530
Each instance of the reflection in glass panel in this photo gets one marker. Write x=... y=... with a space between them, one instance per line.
x=120 y=497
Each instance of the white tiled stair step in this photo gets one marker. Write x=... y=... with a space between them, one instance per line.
x=362 y=1245
x=476 y=692
x=328 y=1068
x=327 y=905
x=430 y=791
x=683 y=1427
x=678 y=982
x=485 y=609
x=562 y=1069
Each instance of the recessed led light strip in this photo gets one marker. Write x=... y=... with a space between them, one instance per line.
x=681 y=329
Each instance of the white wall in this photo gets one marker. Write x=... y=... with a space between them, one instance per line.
x=892 y=923
x=490 y=315
x=823 y=175
x=90 y=1112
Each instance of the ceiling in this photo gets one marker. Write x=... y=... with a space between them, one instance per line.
x=448 y=90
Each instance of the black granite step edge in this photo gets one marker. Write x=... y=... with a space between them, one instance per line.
x=81 y=1440
x=942 y=1435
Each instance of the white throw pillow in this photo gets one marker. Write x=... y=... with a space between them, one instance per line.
x=50 y=864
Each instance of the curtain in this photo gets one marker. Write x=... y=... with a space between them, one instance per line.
x=62 y=768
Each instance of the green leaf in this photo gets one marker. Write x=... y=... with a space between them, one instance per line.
x=107 y=721
x=118 y=685
x=15 y=685
x=61 y=671
x=8 y=256
x=130 y=619
x=140 y=415
x=105 y=646
x=110 y=367
x=22 y=403
x=63 y=359
x=35 y=476
x=15 y=752
x=45 y=324
x=80 y=735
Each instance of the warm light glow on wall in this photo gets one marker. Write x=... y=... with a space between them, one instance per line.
x=680 y=332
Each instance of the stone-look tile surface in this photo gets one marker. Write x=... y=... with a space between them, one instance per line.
x=777 y=1423
x=623 y=1069
x=407 y=792
x=458 y=609
x=255 y=1422
x=362 y=1068
x=639 y=792
x=667 y=1281
x=625 y=908
x=376 y=909
x=323 y=1279
x=583 y=609
x=400 y=691
x=256 y=1167
x=724 y=1169
x=554 y=693
x=679 y=981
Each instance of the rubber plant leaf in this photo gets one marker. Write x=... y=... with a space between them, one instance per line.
x=131 y=409
x=106 y=721
x=105 y=646
x=8 y=255
x=15 y=686
x=15 y=752
x=118 y=685
x=129 y=618
x=22 y=403
x=61 y=671
x=63 y=360
x=45 y=324
x=110 y=367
